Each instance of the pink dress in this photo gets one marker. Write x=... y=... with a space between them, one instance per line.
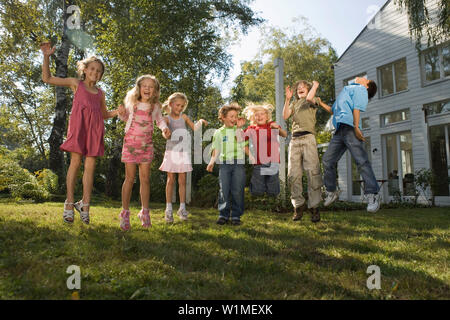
x=86 y=124
x=138 y=141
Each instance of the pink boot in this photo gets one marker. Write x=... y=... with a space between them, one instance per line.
x=144 y=216
x=124 y=217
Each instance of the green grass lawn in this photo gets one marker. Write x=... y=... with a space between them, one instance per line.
x=267 y=257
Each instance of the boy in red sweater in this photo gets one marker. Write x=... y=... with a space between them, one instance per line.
x=263 y=134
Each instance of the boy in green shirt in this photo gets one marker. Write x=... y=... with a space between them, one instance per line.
x=228 y=146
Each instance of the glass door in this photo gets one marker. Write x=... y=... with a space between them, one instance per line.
x=398 y=160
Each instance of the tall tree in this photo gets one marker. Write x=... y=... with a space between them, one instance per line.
x=181 y=42
x=56 y=157
x=24 y=25
x=306 y=56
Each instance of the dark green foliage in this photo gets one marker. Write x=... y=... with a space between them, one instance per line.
x=434 y=25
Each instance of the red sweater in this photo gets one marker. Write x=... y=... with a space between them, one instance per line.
x=266 y=145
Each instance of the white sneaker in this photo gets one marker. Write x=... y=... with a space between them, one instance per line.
x=331 y=197
x=168 y=216
x=183 y=214
x=373 y=202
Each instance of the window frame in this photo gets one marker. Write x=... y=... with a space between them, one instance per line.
x=394 y=84
x=442 y=76
x=382 y=118
x=425 y=105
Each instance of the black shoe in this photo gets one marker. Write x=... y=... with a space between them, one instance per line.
x=222 y=221
x=235 y=222
x=315 y=215
x=298 y=213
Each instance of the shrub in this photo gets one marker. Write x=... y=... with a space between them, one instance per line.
x=48 y=180
x=207 y=191
x=20 y=182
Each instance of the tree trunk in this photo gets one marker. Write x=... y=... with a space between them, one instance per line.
x=56 y=156
x=112 y=184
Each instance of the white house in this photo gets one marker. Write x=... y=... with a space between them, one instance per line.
x=407 y=124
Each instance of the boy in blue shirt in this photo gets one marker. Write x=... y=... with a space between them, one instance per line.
x=352 y=100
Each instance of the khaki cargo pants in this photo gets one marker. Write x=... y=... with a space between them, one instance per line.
x=303 y=155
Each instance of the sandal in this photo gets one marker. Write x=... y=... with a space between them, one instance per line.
x=68 y=214
x=84 y=215
x=124 y=217
x=144 y=216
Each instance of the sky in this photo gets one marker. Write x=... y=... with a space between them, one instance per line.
x=339 y=21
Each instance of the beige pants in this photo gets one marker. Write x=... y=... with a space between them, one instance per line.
x=303 y=156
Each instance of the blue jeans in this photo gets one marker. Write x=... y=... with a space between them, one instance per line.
x=265 y=180
x=344 y=139
x=231 y=193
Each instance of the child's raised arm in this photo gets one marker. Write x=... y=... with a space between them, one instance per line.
x=312 y=93
x=286 y=110
x=47 y=76
x=195 y=126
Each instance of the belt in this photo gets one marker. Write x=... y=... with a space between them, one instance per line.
x=300 y=134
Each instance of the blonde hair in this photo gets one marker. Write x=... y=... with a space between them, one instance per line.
x=251 y=109
x=227 y=108
x=134 y=95
x=177 y=95
x=83 y=64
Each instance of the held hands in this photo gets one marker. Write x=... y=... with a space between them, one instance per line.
x=121 y=111
x=167 y=134
x=315 y=83
x=46 y=49
x=205 y=123
x=275 y=125
x=359 y=134
x=241 y=122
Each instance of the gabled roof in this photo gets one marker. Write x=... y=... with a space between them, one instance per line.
x=387 y=2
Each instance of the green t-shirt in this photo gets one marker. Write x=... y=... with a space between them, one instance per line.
x=225 y=141
x=304 y=115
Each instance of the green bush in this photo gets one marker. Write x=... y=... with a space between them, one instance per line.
x=48 y=180
x=20 y=183
x=207 y=191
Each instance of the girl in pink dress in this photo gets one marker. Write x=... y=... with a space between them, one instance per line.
x=177 y=158
x=142 y=107
x=86 y=127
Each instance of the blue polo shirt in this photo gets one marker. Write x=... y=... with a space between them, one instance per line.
x=353 y=96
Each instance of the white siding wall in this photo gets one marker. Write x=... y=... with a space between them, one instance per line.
x=383 y=42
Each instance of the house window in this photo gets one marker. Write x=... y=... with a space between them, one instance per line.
x=436 y=107
x=439 y=155
x=393 y=77
x=399 y=164
x=394 y=117
x=365 y=123
x=356 y=178
x=352 y=79
x=436 y=63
